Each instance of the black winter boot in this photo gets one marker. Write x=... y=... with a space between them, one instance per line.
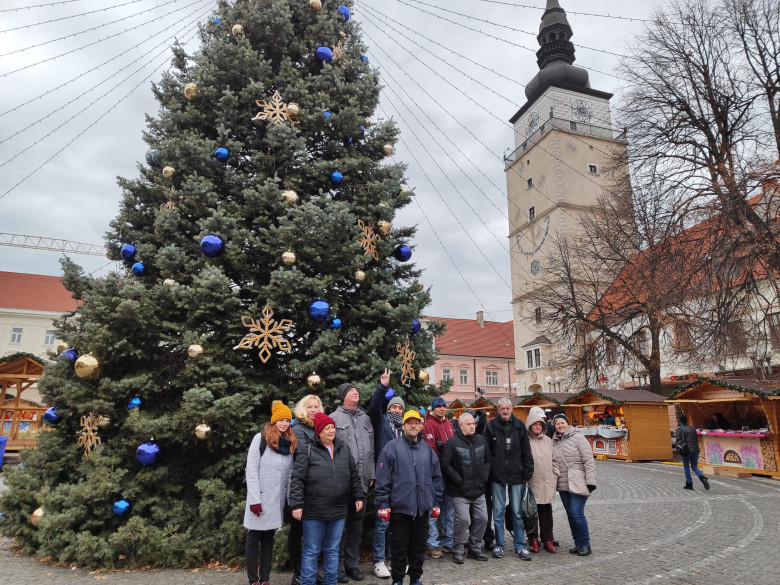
x=296 y=579
x=688 y=485
x=705 y=482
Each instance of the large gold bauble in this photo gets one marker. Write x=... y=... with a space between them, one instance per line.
x=237 y=30
x=315 y=4
x=36 y=517
x=103 y=421
x=87 y=367
x=360 y=276
x=290 y=196
x=169 y=282
x=422 y=378
x=383 y=227
x=202 y=431
x=293 y=109
x=421 y=285
x=289 y=258
x=168 y=172
x=195 y=350
x=190 y=91
x=61 y=346
x=388 y=148
x=342 y=34
x=314 y=381
x=404 y=191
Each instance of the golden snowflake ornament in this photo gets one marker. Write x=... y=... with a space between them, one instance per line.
x=88 y=435
x=338 y=49
x=265 y=333
x=369 y=239
x=276 y=110
x=407 y=357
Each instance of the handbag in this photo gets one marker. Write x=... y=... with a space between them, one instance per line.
x=528 y=506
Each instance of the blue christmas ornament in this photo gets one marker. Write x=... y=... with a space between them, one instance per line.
x=127 y=252
x=155 y=156
x=217 y=20
x=402 y=253
x=362 y=128
x=337 y=178
x=212 y=246
x=350 y=140
x=319 y=310
x=364 y=58
x=416 y=326
x=335 y=323
x=121 y=508
x=70 y=354
x=222 y=154
x=148 y=454
x=134 y=403
x=359 y=76
x=139 y=269
x=323 y=54
x=327 y=114
x=344 y=13
x=51 y=416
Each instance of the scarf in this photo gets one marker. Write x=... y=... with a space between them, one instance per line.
x=396 y=421
x=284 y=446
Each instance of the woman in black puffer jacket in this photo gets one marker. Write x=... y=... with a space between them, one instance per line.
x=324 y=480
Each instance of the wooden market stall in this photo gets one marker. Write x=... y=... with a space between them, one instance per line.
x=552 y=401
x=485 y=404
x=457 y=406
x=737 y=421
x=641 y=427
x=20 y=419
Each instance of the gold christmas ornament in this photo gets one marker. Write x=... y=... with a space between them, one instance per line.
x=265 y=333
x=276 y=111
x=289 y=257
x=168 y=172
x=88 y=435
x=202 y=431
x=388 y=148
x=422 y=378
x=342 y=34
x=169 y=282
x=103 y=421
x=293 y=109
x=369 y=239
x=290 y=196
x=421 y=286
x=383 y=227
x=382 y=204
x=314 y=381
x=237 y=30
x=36 y=517
x=61 y=346
x=195 y=350
x=407 y=357
x=404 y=191
x=360 y=276
x=190 y=91
x=87 y=367
x=315 y=4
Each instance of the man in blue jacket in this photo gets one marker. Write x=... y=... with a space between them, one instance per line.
x=408 y=483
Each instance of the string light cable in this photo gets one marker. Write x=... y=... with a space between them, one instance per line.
x=47 y=5
x=70 y=16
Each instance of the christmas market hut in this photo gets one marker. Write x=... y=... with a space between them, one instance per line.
x=632 y=425
x=550 y=402
x=457 y=406
x=737 y=421
x=20 y=419
x=485 y=404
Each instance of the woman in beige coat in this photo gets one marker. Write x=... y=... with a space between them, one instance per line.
x=576 y=481
x=543 y=482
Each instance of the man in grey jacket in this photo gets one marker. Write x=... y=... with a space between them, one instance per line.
x=353 y=426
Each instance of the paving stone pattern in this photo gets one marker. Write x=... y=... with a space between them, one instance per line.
x=645 y=530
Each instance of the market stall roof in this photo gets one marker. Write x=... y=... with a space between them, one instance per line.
x=589 y=397
x=482 y=402
x=457 y=403
x=715 y=389
x=541 y=399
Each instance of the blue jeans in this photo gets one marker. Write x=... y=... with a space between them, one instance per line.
x=691 y=462
x=499 y=504
x=380 y=530
x=447 y=517
x=574 y=504
x=321 y=536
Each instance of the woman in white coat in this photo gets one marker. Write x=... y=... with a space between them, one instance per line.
x=268 y=470
x=543 y=482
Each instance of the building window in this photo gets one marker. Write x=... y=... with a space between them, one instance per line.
x=682 y=337
x=531 y=213
x=538 y=357
x=529 y=359
x=464 y=377
x=49 y=339
x=446 y=375
x=491 y=378
x=610 y=352
x=529 y=182
x=773 y=321
x=593 y=169
x=735 y=338
x=16 y=335
x=573 y=125
x=533 y=358
x=538 y=315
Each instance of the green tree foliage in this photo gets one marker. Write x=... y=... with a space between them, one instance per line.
x=187 y=508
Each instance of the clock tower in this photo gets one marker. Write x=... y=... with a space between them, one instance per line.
x=554 y=175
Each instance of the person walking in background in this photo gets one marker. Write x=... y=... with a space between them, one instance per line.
x=511 y=465
x=488 y=538
x=353 y=427
x=386 y=411
x=325 y=483
x=576 y=480
x=409 y=488
x=437 y=431
x=303 y=428
x=543 y=482
x=268 y=466
x=465 y=465
x=687 y=442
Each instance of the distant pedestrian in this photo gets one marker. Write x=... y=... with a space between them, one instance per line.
x=268 y=466
x=688 y=444
x=437 y=431
x=543 y=482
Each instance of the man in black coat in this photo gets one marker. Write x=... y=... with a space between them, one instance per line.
x=465 y=464
x=511 y=466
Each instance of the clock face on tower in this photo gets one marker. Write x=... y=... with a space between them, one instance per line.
x=581 y=110
x=532 y=239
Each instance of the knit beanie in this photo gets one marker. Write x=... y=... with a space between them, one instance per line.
x=395 y=400
x=563 y=416
x=279 y=411
x=343 y=389
x=321 y=421
x=438 y=401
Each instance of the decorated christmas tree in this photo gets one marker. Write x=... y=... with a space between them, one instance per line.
x=261 y=263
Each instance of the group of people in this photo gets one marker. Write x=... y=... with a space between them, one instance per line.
x=435 y=487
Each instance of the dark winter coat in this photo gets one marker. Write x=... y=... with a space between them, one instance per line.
x=354 y=428
x=437 y=432
x=685 y=435
x=511 y=467
x=465 y=464
x=383 y=431
x=304 y=433
x=408 y=478
x=322 y=486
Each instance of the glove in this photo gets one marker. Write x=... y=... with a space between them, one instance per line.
x=591 y=488
x=384 y=514
x=389 y=394
x=256 y=509
x=435 y=513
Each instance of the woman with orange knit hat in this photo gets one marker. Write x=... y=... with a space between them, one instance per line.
x=268 y=468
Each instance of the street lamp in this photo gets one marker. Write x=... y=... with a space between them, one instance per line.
x=554 y=383
x=638 y=377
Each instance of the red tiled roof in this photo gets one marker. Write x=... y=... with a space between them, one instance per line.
x=466 y=337
x=35 y=292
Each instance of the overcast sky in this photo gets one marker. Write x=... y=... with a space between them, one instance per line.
x=72 y=114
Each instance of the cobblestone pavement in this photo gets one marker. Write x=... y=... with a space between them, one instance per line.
x=645 y=530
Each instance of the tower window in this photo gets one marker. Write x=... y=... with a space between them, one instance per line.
x=593 y=169
x=572 y=125
x=531 y=213
x=538 y=315
x=529 y=182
